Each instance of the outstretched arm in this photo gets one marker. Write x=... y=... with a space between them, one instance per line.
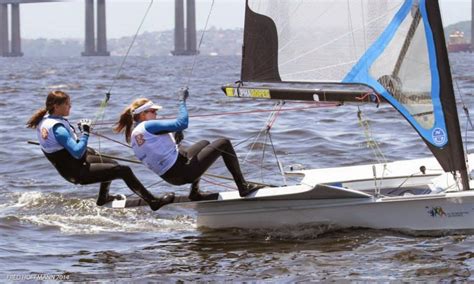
x=76 y=149
x=169 y=125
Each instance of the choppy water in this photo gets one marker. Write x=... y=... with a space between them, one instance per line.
x=51 y=227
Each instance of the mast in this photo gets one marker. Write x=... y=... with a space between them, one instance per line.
x=455 y=156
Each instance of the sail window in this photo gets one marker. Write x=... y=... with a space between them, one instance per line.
x=384 y=44
x=403 y=69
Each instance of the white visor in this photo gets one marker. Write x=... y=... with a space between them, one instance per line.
x=147 y=106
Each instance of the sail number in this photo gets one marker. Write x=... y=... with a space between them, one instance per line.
x=248 y=93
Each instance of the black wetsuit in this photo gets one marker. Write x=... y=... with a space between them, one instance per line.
x=92 y=168
x=194 y=161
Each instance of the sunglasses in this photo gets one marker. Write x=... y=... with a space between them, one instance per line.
x=151 y=110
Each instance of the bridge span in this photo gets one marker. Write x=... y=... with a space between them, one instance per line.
x=95 y=41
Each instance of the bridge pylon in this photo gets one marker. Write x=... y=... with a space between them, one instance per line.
x=10 y=48
x=91 y=48
x=185 y=44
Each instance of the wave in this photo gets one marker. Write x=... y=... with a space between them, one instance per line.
x=82 y=216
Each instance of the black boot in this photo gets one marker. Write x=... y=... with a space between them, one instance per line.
x=153 y=202
x=157 y=203
x=104 y=196
x=137 y=187
x=249 y=187
x=196 y=195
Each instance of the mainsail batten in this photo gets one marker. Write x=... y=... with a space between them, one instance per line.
x=400 y=57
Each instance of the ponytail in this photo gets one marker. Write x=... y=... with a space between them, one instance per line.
x=125 y=121
x=127 y=118
x=54 y=98
x=36 y=118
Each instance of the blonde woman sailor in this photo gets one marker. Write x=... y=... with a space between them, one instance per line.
x=153 y=143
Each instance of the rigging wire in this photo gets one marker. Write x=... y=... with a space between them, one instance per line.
x=280 y=165
x=468 y=120
x=199 y=45
x=371 y=142
x=130 y=46
x=266 y=131
x=103 y=105
x=262 y=131
x=374 y=146
x=351 y=29
x=311 y=106
x=110 y=139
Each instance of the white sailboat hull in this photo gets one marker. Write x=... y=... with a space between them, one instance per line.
x=344 y=197
x=451 y=211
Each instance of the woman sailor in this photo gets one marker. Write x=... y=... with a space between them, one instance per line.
x=74 y=161
x=153 y=143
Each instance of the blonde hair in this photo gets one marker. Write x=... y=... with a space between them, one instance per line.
x=54 y=98
x=127 y=118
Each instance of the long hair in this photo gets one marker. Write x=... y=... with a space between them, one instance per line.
x=127 y=118
x=54 y=98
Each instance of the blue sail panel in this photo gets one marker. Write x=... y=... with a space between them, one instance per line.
x=405 y=25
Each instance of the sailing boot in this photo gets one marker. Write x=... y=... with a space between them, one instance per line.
x=104 y=196
x=196 y=195
x=157 y=203
x=153 y=202
x=248 y=187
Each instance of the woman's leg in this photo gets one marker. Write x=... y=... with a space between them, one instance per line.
x=104 y=196
x=177 y=175
x=191 y=171
x=91 y=158
x=194 y=149
x=194 y=193
x=209 y=154
x=222 y=147
x=106 y=172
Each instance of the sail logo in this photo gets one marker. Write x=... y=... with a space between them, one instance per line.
x=439 y=136
x=436 y=211
x=248 y=93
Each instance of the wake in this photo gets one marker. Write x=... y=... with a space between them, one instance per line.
x=83 y=216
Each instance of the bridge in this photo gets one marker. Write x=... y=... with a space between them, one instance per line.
x=94 y=44
x=184 y=38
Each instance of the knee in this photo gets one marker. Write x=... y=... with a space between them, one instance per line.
x=201 y=144
x=123 y=169
x=222 y=141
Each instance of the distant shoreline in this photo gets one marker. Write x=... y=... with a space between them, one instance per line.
x=162 y=43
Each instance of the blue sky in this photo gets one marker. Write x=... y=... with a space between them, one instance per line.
x=66 y=19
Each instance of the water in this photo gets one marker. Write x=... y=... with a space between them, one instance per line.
x=51 y=227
